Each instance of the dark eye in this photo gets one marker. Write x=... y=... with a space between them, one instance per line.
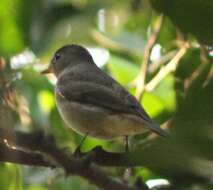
x=57 y=57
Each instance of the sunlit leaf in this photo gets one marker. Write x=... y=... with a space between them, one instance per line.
x=122 y=70
x=46 y=101
x=8 y=172
x=152 y=104
x=10 y=35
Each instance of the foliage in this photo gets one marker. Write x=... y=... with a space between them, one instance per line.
x=123 y=28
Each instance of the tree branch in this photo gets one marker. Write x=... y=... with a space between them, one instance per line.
x=36 y=141
x=164 y=71
x=46 y=145
x=143 y=71
x=21 y=157
x=158 y=63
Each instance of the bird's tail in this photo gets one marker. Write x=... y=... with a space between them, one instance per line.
x=158 y=130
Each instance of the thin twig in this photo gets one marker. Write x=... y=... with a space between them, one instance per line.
x=143 y=71
x=104 y=41
x=158 y=63
x=164 y=71
x=189 y=81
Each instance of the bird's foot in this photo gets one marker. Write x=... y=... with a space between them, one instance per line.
x=77 y=153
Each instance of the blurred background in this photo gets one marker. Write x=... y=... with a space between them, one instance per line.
x=160 y=50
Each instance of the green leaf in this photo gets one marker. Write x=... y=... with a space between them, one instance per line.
x=161 y=99
x=10 y=34
x=191 y=16
x=122 y=70
x=152 y=104
x=8 y=172
x=46 y=101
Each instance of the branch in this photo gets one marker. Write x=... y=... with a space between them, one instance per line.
x=46 y=145
x=36 y=141
x=21 y=157
x=143 y=71
x=164 y=71
x=158 y=63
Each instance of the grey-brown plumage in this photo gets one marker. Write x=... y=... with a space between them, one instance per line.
x=93 y=103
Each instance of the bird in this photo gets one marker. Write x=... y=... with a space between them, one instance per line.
x=91 y=102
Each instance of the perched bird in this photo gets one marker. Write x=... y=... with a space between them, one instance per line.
x=93 y=103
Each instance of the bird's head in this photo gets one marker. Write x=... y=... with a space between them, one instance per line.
x=68 y=56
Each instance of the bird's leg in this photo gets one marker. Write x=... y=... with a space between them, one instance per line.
x=77 y=152
x=128 y=171
x=126 y=142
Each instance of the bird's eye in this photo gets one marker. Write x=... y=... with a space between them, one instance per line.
x=57 y=57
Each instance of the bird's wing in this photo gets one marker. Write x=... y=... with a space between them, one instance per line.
x=93 y=94
x=114 y=98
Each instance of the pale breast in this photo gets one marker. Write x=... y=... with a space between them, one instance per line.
x=95 y=121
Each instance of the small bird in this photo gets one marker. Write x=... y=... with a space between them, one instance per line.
x=93 y=103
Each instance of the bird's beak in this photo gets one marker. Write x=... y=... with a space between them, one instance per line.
x=47 y=71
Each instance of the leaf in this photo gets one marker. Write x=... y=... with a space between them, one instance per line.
x=8 y=172
x=122 y=70
x=191 y=16
x=46 y=100
x=152 y=104
x=10 y=34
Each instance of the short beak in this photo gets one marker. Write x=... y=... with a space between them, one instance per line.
x=47 y=71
